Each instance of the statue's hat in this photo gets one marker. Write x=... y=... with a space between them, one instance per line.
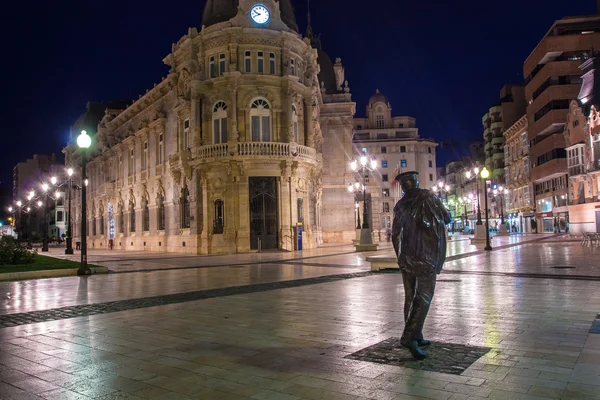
x=406 y=176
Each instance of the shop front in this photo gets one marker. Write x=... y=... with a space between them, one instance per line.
x=545 y=222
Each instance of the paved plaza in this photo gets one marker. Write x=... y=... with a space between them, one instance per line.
x=516 y=323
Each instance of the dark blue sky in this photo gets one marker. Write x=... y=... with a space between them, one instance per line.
x=440 y=61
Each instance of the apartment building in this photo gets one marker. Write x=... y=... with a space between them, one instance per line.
x=553 y=79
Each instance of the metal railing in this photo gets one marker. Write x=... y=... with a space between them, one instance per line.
x=258 y=149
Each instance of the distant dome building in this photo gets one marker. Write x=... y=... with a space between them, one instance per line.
x=247 y=139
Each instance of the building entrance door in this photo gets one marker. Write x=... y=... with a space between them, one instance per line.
x=264 y=221
x=597 y=221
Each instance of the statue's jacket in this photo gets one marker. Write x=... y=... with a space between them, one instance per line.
x=419 y=232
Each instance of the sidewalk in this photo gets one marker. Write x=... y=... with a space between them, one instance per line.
x=493 y=338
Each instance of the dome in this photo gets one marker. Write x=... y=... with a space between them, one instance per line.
x=216 y=11
x=379 y=97
x=326 y=73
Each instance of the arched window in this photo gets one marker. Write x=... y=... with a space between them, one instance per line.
x=219 y=220
x=121 y=219
x=185 y=209
x=220 y=123
x=295 y=123
x=146 y=219
x=260 y=119
x=131 y=217
x=161 y=213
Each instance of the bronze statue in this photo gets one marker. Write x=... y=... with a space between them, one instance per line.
x=419 y=238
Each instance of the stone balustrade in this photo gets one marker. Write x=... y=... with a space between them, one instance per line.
x=256 y=149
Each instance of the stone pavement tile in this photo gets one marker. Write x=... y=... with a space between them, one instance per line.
x=582 y=389
x=546 y=392
x=124 y=384
x=415 y=390
x=35 y=385
x=340 y=387
x=310 y=381
x=265 y=383
x=63 y=394
x=23 y=396
x=511 y=387
x=316 y=393
x=120 y=396
x=534 y=381
x=8 y=390
x=91 y=389
x=498 y=394
x=151 y=392
x=12 y=376
x=554 y=376
x=467 y=389
x=271 y=395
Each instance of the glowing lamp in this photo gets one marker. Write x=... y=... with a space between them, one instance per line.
x=39 y=203
x=45 y=187
x=10 y=209
x=53 y=180
x=373 y=163
x=19 y=203
x=353 y=165
x=485 y=173
x=363 y=160
x=350 y=188
x=468 y=174
x=84 y=141
x=356 y=185
x=476 y=170
x=57 y=195
x=70 y=172
x=447 y=188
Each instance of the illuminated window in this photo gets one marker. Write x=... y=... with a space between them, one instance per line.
x=248 y=61
x=272 y=63
x=261 y=62
x=220 y=122
x=260 y=120
x=383 y=163
x=403 y=163
x=295 y=123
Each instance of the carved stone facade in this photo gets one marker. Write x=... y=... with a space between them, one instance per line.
x=174 y=171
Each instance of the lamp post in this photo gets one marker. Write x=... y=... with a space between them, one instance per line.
x=475 y=174
x=84 y=141
x=501 y=192
x=485 y=174
x=45 y=188
x=357 y=206
x=69 y=184
x=363 y=166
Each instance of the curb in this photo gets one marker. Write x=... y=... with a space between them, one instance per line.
x=50 y=273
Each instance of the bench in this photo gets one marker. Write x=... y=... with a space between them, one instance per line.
x=383 y=262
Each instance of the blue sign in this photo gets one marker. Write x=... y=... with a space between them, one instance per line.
x=299 y=236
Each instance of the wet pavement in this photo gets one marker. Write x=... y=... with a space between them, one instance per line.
x=287 y=329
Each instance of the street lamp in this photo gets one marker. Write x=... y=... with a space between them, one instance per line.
x=69 y=184
x=363 y=166
x=475 y=174
x=84 y=141
x=501 y=191
x=485 y=174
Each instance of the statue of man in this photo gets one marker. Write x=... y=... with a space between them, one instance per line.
x=419 y=239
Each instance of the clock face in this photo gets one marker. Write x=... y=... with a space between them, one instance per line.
x=260 y=14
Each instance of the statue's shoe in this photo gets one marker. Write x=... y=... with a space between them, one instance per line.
x=423 y=342
x=415 y=350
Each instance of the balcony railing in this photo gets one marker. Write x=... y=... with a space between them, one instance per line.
x=576 y=170
x=257 y=149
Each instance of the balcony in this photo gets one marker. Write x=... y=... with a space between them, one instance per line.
x=576 y=170
x=496 y=125
x=498 y=141
x=556 y=45
x=552 y=168
x=257 y=149
x=106 y=189
x=553 y=118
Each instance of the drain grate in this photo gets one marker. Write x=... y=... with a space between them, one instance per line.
x=448 y=358
x=448 y=280
x=563 y=267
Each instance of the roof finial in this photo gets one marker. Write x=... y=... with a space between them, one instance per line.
x=377 y=91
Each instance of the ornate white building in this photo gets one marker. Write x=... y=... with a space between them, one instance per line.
x=249 y=135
